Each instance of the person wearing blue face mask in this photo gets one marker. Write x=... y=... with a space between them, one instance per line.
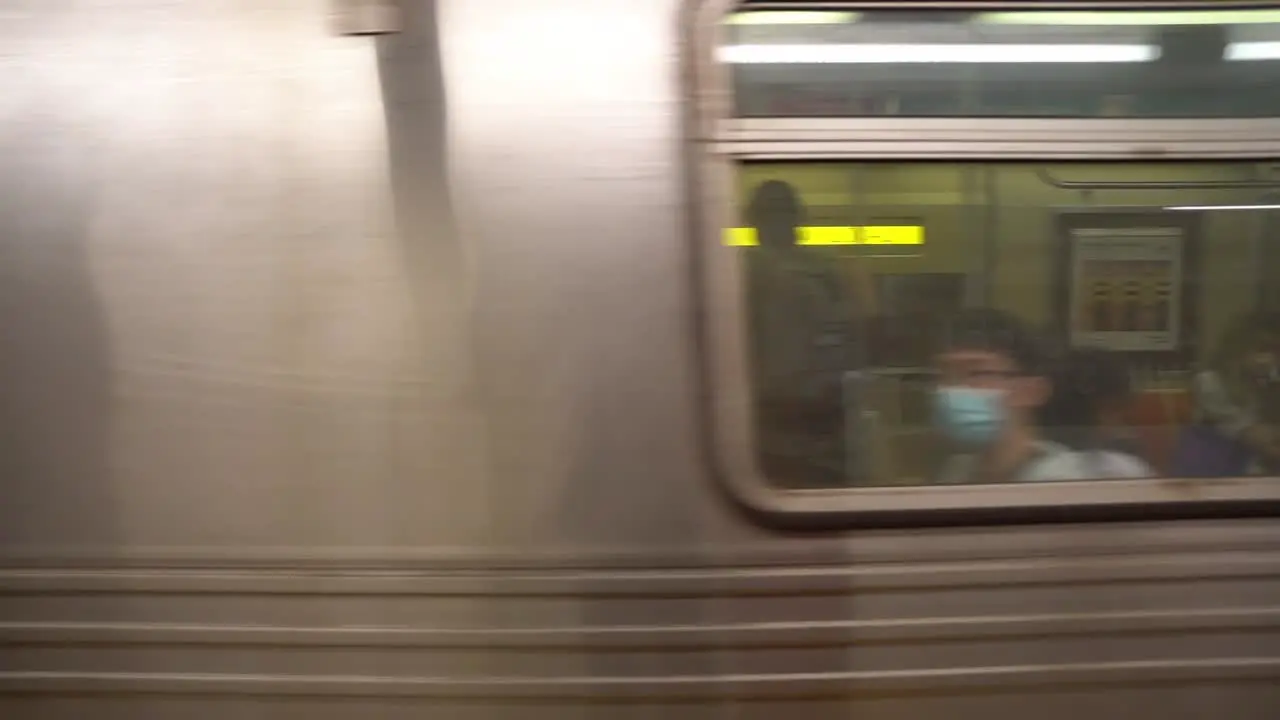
x=992 y=380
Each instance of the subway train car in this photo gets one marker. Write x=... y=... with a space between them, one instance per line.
x=568 y=359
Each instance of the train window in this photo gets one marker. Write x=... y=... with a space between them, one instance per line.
x=1195 y=63
x=943 y=322
x=1061 y=305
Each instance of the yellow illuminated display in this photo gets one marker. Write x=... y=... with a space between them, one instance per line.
x=837 y=235
x=892 y=235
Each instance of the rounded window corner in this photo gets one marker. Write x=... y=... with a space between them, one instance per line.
x=733 y=148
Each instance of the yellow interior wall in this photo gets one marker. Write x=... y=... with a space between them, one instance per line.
x=954 y=202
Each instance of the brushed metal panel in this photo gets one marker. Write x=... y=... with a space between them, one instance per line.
x=255 y=609
x=640 y=637
x=1243 y=702
x=222 y=333
x=461 y=665
x=745 y=549
x=133 y=708
x=701 y=582
x=584 y=310
x=426 y=611
x=1247 y=702
x=304 y=708
x=949 y=681
x=758 y=649
x=1250 y=701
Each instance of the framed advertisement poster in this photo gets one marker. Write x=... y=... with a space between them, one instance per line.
x=1125 y=281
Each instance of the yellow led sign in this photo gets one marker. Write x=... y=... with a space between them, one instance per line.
x=893 y=235
x=838 y=235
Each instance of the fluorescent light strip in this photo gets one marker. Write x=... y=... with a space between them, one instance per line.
x=763 y=17
x=1197 y=208
x=1114 y=18
x=1253 y=51
x=949 y=53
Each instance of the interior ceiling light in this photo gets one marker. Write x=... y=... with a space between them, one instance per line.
x=1195 y=208
x=1253 y=51
x=939 y=53
x=799 y=17
x=1120 y=17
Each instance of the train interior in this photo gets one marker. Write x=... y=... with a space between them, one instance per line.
x=988 y=234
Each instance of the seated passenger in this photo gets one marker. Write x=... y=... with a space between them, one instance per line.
x=1236 y=430
x=1091 y=391
x=993 y=380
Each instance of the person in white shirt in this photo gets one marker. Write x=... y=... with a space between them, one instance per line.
x=1091 y=391
x=993 y=379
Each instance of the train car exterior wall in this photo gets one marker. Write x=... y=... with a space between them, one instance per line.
x=357 y=377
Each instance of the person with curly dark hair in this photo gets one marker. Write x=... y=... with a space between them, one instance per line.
x=995 y=378
x=1091 y=392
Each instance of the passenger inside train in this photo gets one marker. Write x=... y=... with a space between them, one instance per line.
x=1088 y=410
x=804 y=315
x=995 y=376
x=1137 y=288
x=1237 y=405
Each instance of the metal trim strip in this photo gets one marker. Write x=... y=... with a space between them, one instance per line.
x=835 y=634
x=844 y=685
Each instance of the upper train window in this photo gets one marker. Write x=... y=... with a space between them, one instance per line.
x=964 y=259
x=1204 y=63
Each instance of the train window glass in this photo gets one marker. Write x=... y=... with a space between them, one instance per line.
x=984 y=322
x=1031 y=63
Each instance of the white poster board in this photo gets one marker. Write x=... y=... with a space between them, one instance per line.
x=1126 y=287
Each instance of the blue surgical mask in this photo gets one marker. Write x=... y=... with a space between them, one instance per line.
x=969 y=416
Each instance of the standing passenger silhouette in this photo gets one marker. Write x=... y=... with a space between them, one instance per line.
x=804 y=337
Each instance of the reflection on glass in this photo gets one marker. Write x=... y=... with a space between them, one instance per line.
x=1034 y=63
x=1030 y=339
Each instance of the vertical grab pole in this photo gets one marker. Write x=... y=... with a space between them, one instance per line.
x=1266 y=254
x=866 y=459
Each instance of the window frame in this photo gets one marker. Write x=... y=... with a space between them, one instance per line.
x=719 y=142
